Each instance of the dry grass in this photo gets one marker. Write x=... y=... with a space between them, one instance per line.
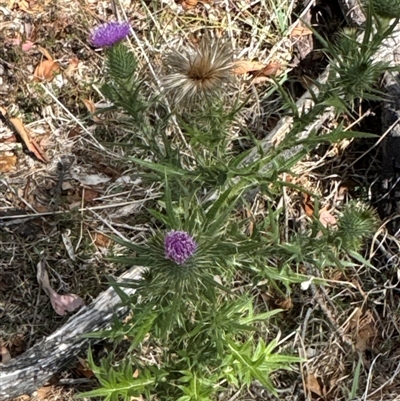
x=355 y=318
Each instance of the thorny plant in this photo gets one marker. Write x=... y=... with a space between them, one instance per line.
x=205 y=334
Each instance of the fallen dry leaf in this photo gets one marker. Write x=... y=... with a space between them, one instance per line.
x=3 y=285
x=28 y=6
x=244 y=66
x=116 y=175
x=26 y=46
x=259 y=71
x=363 y=329
x=46 y=70
x=125 y=211
x=72 y=67
x=7 y=163
x=83 y=368
x=14 y=41
x=26 y=137
x=307 y=204
x=301 y=31
x=89 y=105
x=91 y=108
x=18 y=342
x=45 y=141
x=270 y=70
x=314 y=385
x=41 y=208
x=25 y=397
x=60 y=303
x=10 y=139
x=4 y=355
x=65 y=303
x=285 y=303
x=45 y=53
x=342 y=192
x=89 y=194
x=190 y=4
x=43 y=393
x=327 y=219
x=102 y=240
x=76 y=131
x=79 y=174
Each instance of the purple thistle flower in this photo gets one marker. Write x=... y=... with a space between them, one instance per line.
x=179 y=246
x=108 y=34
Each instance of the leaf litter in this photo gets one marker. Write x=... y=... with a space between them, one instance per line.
x=60 y=303
x=25 y=136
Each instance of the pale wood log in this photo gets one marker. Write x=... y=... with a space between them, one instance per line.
x=353 y=12
x=31 y=370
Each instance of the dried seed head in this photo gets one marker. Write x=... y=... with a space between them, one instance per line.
x=179 y=246
x=106 y=35
x=199 y=73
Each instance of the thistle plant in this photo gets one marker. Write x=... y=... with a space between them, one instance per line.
x=355 y=71
x=123 y=85
x=182 y=259
x=183 y=305
x=206 y=332
x=353 y=77
x=208 y=336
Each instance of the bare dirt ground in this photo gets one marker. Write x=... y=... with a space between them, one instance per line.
x=78 y=190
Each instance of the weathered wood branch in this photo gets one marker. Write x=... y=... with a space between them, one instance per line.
x=352 y=12
x=31 y=370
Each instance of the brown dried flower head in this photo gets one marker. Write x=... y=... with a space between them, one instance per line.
x=199 y=73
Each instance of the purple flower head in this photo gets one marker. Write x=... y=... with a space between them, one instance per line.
x=109 y=33
x=179 y=246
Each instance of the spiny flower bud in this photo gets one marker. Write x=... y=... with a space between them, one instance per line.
x=110 y=33
x=179 y=246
